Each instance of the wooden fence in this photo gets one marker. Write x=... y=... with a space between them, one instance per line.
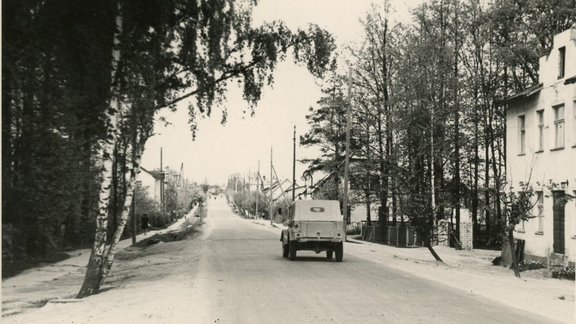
x=401 y=236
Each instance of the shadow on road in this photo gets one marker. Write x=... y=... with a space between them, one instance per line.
x=319 y=258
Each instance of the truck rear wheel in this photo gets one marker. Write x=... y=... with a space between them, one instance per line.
x=329 y=255
x=339 y=252
x=293 y=246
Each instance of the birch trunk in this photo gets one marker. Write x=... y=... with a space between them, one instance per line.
x=94 y=273
x=130 y=178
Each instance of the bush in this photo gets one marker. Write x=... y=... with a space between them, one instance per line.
x=530 y=265
x=563 y=272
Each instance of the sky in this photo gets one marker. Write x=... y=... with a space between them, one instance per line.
x=244 y=141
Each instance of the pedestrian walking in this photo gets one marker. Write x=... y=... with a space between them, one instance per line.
x=145 y=222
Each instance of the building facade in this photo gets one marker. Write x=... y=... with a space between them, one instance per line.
x=541 y=153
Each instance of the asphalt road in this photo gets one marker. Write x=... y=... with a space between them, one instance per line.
x=241 y=277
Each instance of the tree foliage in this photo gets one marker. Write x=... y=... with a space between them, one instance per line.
x=82 y=83
x=427 y=107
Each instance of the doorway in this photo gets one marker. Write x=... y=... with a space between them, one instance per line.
x=559 y=201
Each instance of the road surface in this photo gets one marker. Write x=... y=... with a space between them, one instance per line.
x=241 y=277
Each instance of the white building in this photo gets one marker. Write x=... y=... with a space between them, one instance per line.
x=152 y=181
x=541 y=152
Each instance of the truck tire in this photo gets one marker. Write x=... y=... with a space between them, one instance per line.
x=285 y=250
x=293 y=247
x=329 y=254
x=339 y=252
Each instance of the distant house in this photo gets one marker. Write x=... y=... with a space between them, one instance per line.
x=333 y=180
x=153 y=181
x=541 y=152
x=278 y=190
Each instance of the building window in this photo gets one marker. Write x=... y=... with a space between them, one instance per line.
x=561 y=62
x=540 y=116
x=522 y=133
x=540 y=211
x=559 y=126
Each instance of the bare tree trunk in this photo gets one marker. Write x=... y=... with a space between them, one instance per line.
x=368 y=206
x=456 y=192
x=433 y=252
x=393 y=166
x=476 y=168
x=513 y=252
x=369 y=182
x=486 y=172
x=96 y=263
x=383 y=214
x=137 y=167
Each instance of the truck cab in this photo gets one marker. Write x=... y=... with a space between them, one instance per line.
x=314 y=225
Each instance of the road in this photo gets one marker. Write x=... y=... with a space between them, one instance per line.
x=241 y=277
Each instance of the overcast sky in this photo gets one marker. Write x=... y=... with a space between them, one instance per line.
x=222 y=150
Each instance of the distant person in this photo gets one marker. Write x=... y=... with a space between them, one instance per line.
x=145 y=222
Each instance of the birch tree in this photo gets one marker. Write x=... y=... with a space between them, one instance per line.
x=204 y=46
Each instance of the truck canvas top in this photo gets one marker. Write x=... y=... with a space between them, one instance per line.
x=316 y=210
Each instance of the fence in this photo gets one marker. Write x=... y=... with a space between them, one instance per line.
x=401 y=236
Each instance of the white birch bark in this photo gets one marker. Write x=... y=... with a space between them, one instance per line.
x=130 y=182
x=93 y=276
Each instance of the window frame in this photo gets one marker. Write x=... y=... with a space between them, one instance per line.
x=559 y=126
x=522 y=134
x=540 y=211
x=540 y=120
x=561 y=62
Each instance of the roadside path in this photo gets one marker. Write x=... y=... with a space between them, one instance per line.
x=62 y=280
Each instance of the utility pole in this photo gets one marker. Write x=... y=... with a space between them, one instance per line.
x=347 y=157
x=249 y=191
x=271 y=196
x=162 y=206
x=257 y=190
x=280 y=184
x=432 y=180
x=294 y=166
x=134 y=222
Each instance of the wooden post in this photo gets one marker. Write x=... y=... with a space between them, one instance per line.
x=294 y=166
x=271 y=195
x=407 y=237
x=162 y=206
x=134 y=222
x=257 y=190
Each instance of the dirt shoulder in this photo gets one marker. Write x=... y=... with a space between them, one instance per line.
x=60 y=282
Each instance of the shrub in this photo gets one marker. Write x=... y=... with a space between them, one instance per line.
x=530 y=265
x=563 y=272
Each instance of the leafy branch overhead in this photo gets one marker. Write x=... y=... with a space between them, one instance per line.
x=80 y=103
x=230 y=50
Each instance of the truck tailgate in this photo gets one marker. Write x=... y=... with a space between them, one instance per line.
x=311 y=229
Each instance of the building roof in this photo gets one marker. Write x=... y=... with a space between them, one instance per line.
x=570 y=80
x=526 y=93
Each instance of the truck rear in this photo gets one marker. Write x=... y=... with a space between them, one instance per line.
x=314 y=225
